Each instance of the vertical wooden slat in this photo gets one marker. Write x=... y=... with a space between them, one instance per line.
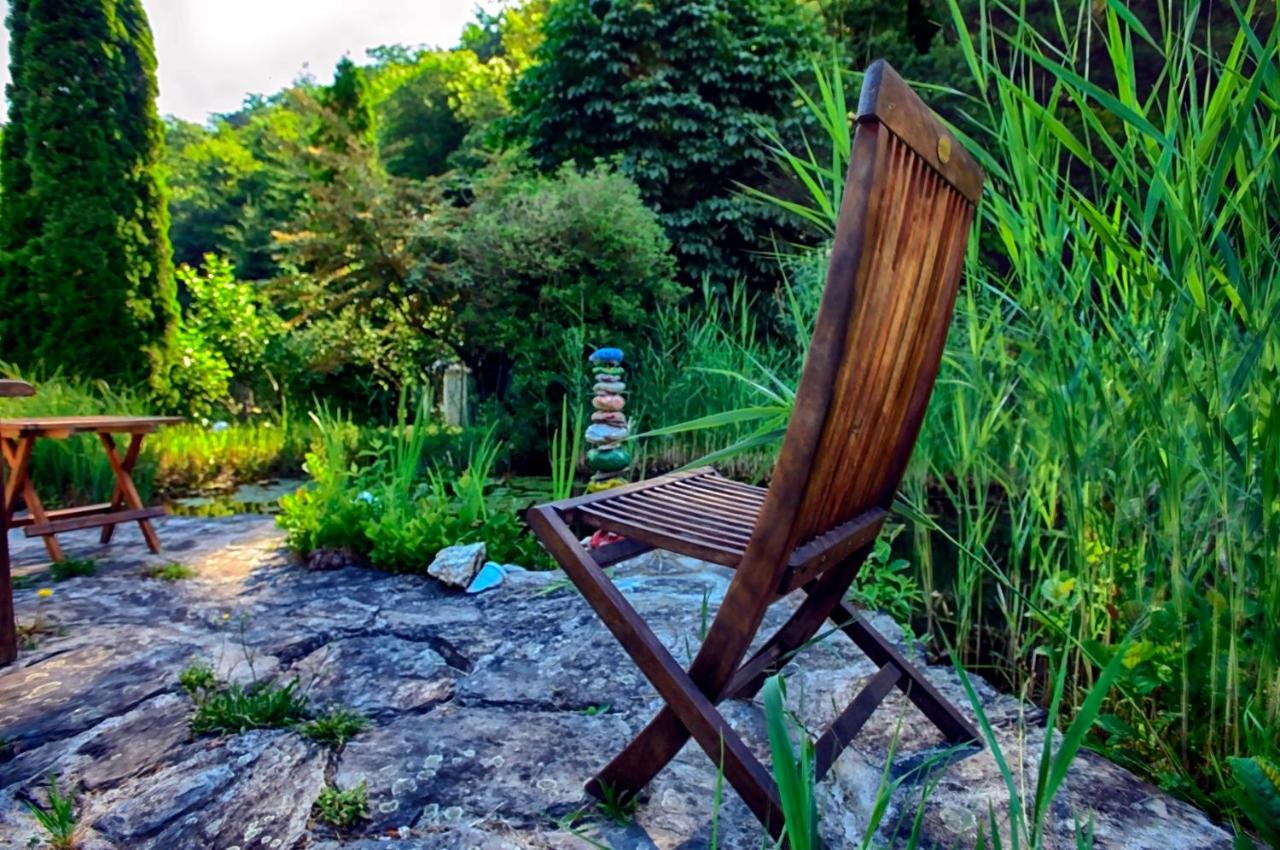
x=903 y=294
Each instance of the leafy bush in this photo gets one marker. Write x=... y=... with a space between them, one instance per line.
x=551 y=265
x=232 y=317
x=197 y=680
x=677 y=91
x=197 y=379
x=393 y=507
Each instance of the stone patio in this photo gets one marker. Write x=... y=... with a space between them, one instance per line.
x=488 y=712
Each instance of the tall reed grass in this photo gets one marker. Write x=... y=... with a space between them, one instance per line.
x=1103 y=446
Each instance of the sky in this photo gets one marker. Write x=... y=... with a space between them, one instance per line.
x=212 y=53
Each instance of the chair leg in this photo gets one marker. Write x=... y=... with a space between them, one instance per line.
x=692 y=709
x=822 y=595
x=938 y=709
x=662 y=739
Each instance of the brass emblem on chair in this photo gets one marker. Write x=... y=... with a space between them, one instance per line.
x=944 y=149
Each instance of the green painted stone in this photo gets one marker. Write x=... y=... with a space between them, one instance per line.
x=608 y=460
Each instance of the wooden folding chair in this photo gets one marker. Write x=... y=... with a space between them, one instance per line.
x=891 y=285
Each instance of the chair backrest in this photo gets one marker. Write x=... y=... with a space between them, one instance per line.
x=908 y=204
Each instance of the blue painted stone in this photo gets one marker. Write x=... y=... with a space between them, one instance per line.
x=490 y=576
x=602 y=433
x=606 y=355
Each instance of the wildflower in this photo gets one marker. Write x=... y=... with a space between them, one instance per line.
x=44 y=592
x=226 y=615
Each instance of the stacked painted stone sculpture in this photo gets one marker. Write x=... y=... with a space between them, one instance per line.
x=607 y=459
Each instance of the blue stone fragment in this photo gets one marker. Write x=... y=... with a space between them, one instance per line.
x=490 y=576
x=606 y=355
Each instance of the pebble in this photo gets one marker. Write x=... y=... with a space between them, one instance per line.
x=608 y=460
x=611 y=356
x=608 y=402
x=602 y=433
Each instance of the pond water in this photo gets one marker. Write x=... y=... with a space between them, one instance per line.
x=262 y=497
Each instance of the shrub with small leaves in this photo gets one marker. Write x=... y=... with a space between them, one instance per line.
x=341 y=808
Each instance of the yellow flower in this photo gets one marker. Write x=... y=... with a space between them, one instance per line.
x=226 y=615
x=44 y=592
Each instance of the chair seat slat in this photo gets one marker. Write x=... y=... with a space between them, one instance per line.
x=682 y=512
x=674 y=526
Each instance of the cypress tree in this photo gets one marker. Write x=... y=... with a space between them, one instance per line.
x=86 y=277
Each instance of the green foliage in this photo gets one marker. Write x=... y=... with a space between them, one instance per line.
x=335 y=727
x=792 y=772
x=85 y=264
x=1259 y=781
x=69 y=568
x=343 y=809
x=229 y=323
x=329 y=512
x=58 y=820
x=1097 y=454
x=232 y=185
x=419 y=128
x=617 y=807
x=231 y=709
x=197 y=680
x=886 y=583
x=1029 y=817
x=545 y=258
x=676 y=92
x=347 y=99
x=366 y=284
x=76 y=470
x=189 y=456
x=170 y=572
x=392 y=507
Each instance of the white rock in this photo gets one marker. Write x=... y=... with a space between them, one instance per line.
x=457 y=565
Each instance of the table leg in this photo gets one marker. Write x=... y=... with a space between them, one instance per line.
x=117 y=495
x=124 y=481
x=8 y=623
x=19 y=459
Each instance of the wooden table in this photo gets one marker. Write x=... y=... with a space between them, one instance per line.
x=18 y=439
x=8 y=626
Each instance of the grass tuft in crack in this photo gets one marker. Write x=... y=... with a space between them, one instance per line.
x=342 y=809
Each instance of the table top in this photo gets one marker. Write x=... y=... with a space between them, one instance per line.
x=64 y=426
x=10 y=388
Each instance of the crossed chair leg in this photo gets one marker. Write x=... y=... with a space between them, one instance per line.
x=690 y=710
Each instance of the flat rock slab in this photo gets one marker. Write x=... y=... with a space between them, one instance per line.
x=487 y=713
